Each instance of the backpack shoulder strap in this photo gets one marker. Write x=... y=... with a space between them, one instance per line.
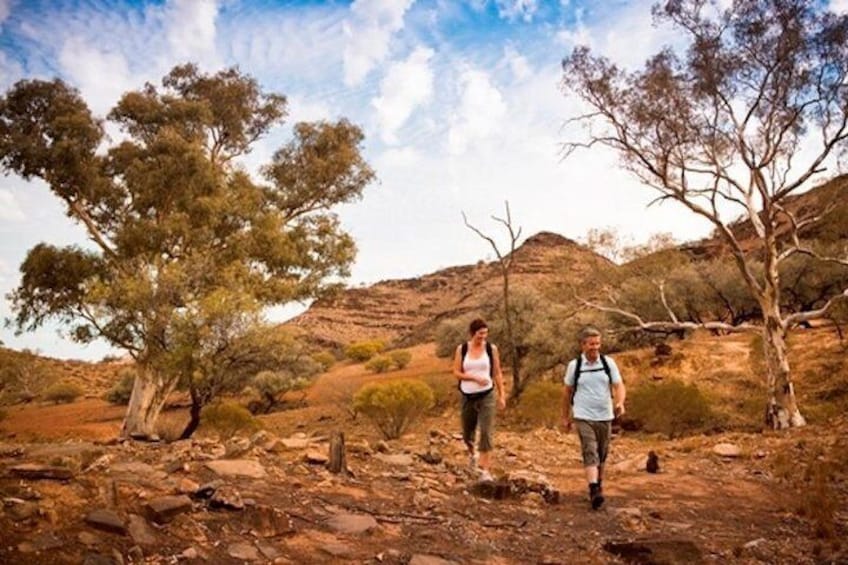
x=578 y=366
x=607 y=369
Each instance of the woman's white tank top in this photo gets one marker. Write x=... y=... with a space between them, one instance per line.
x=479 y=367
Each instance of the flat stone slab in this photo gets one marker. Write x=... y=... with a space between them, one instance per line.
x=400 y=459
x=659 y=552
x=141 y=532
x=106 y=520
x=727 y=450
x=164 y=509
x=423 y=559
x=352 y=523
x=36 y=472
x=238 y=468
x=243 y=551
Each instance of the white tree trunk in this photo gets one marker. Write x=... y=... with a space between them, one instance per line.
x=148 y=397
x=782 y=408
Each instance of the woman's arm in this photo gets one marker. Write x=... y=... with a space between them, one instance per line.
x=496 y=356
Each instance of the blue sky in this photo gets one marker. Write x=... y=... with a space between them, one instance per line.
x=460 y=103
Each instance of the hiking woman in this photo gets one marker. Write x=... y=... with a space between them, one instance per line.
x=477 y=367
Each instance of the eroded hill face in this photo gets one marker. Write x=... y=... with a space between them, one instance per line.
x=408 y=310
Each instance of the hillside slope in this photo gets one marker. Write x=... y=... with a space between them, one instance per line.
x=407 y=311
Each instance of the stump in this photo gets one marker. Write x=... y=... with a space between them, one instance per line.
x=337 y=462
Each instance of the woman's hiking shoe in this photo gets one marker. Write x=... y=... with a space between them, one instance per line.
x=485 y=475
x=596 y=496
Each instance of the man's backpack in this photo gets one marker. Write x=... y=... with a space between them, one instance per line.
x=578 y=369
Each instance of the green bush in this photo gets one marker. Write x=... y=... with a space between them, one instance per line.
x=325 y=359
x=540 y=404
x=671 y=407
x=122 y=390
x=228 y=419
x=400 y=358
x=393 y=406
x=62 y=393
x=379 y=364
x=364 y=350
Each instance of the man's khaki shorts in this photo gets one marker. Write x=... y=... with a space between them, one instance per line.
x=594 y=441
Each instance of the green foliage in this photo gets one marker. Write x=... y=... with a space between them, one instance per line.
x=235 y=365
x=670 y=407
x=271 y=385
x=22 y=376
x=540 y=404
x=122 y=390
x=450 y=333
x=379 y=364
x=400 y=358
x=445 y=390
x=393 y=406
x=325 y=359
x=188 y=248
x=228 y=419
x=62 y=393
x=364 y=350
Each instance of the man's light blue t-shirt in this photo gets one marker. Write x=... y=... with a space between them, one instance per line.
x=592 y=400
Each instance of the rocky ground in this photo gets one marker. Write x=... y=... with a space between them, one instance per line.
x=270 y=499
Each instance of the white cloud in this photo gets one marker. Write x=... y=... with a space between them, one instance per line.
x=10 y=210
x=517 y=9
x=102 y=77
x=518 y=64
x=839 y=6
x=190 y=28
x=481 y=109
x=406 y=85
x=368 y=32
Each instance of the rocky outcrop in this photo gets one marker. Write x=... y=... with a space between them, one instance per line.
x=407 y=311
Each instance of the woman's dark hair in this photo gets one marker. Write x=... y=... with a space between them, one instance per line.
x=476 y=325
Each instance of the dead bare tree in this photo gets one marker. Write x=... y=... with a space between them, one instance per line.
x=722 y=129
x=505 y=262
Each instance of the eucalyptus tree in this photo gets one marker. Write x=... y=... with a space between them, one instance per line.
x=744 y=120
x=187 y=248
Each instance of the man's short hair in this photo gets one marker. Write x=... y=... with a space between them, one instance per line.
x=476 y=325
x=589 y=331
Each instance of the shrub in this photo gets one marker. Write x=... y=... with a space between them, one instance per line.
x=364 y=350
x=541 y=404
x=393 y=406
x=671 y=407
x=228 y=419
x=62 y=393
x=271 y=384
x=379 y=364
x=325 y=359
x=122 y=390
x=400 y=358
x=445 y=390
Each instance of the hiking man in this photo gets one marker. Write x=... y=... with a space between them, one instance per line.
x=594 y=393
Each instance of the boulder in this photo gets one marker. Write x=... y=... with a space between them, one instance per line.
x=352 y=523
x=164 y=509
x=106 y=520
x=238 y=468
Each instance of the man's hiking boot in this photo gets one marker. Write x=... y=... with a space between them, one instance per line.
x=596 y=496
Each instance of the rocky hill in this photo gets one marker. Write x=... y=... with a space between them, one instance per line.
x=406 y=311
